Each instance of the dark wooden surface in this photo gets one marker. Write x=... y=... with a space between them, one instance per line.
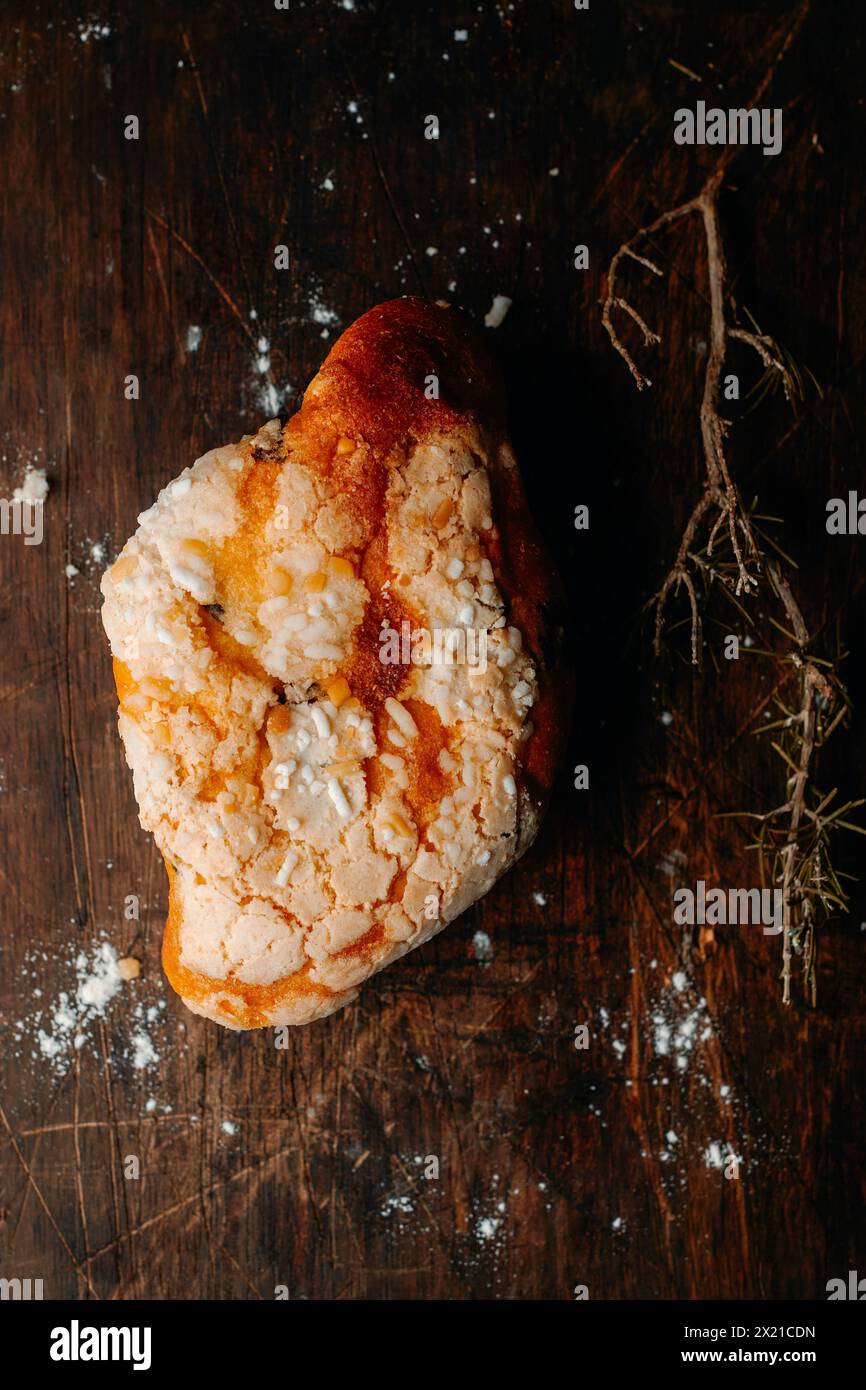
x=258 y=1167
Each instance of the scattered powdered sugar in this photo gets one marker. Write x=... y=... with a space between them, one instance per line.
x=147 y=1019
x=263 y=361
x=486 y=1242
x=91 y=29
x=677 y=1049
x=268 y=396
x=34 y=488
x=720 y=1155
x=64 y=1027
x=486 y=1228
x=399 y=1202
x=51 y=1034
x=270 y=399
x=671 y=864
x=320 y=313
x=144 y=1054
x=481 y=947
x=29 y=461
x=678 y=1026
x=91 y=556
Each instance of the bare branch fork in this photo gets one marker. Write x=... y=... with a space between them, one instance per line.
x=719 y=504
x=719 y=492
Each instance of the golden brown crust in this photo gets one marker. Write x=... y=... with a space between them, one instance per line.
x=372 y=386
x=241 y=1005
x=375 y=382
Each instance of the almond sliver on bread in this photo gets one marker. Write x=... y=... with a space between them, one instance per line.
x=338 y=655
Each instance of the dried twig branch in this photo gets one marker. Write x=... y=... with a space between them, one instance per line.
x=812 y=681
x=794 y=836
x=719 y=504
x=763 y=347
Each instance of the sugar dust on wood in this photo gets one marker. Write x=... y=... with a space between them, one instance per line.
x=104 y=988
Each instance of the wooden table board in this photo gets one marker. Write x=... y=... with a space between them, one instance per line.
x=305 y=1168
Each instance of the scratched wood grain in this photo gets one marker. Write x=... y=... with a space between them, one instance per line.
x=302 y=1168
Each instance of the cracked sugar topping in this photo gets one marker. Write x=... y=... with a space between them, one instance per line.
x=323 y=705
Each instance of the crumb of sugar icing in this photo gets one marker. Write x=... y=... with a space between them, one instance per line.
x=497 y=311
x=481 y=947
x=92 y=30
x=34 y=488
x=143 y=1052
